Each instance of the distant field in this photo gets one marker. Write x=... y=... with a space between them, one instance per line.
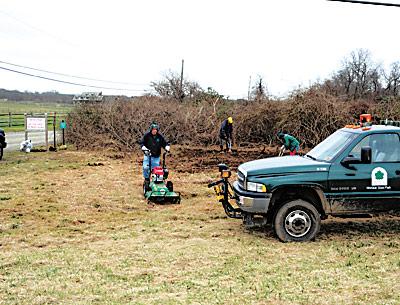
x=26 y=106
x=74 y=233
x=17 y=109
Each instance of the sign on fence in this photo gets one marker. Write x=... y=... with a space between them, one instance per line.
x=18 y=119
x=35 y=124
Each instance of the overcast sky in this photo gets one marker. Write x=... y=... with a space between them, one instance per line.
x=290 y=43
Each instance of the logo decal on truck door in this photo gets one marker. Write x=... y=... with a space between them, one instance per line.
x=379 y=177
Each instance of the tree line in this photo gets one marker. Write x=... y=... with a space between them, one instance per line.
x=358 y=77
x=45 y=97
x=190 y=115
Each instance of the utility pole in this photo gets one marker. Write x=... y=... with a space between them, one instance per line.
x=248 y=90
x=180 y=85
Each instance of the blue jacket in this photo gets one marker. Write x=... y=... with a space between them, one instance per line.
x=225 y=132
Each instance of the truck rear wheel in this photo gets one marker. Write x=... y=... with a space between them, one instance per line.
x=297 y=220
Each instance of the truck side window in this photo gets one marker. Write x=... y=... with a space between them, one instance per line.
x=385 y=147
x=356 y=151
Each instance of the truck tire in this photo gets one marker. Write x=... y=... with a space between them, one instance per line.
x=297 y=220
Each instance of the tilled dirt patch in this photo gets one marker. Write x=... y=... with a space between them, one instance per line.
x=188 y=159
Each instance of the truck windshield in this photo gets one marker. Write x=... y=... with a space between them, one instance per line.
x=332 y=145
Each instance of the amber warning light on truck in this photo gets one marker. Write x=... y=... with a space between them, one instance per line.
x=365 y=122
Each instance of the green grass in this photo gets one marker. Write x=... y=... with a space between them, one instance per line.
x=79 y=234
x=18 y=108
x=38 y=107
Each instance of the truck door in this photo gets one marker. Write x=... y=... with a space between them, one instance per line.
x=368 y=187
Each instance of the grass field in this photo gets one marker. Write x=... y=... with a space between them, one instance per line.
x=26 y=106
x=19 y=108
x=75 y=233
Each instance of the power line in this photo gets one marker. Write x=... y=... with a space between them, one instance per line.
x=70 y=83
x=69 y=75
x=37 y=29
x=368 y=2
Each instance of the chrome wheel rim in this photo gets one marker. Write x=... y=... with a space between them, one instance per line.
x=297 y=223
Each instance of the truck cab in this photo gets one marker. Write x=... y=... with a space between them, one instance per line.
x=355 y=170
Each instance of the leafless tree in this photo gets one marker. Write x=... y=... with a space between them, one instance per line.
x=170 y=87
x=359 y=77
x=393 y=80
x=259 y=90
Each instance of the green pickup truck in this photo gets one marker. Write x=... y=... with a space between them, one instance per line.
x=356 y=170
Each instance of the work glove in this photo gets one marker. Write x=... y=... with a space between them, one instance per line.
x=167 y=148
x=145 y=150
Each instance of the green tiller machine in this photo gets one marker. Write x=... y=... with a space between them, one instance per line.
x=158 y=189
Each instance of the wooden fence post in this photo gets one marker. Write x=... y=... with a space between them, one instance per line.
x=54 y=129
x=47 y=132
x=26 y=128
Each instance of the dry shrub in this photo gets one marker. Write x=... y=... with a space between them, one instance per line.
x=386 y=109
x=121 y=125
x=310 y=116
x=257 y=122
x=313 y=116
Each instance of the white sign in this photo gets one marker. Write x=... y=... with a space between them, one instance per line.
x=35 y=123
x=379 y=177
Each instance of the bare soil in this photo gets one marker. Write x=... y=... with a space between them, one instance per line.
x=189 y=159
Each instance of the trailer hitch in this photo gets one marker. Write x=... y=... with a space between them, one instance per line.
x=223 y=191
